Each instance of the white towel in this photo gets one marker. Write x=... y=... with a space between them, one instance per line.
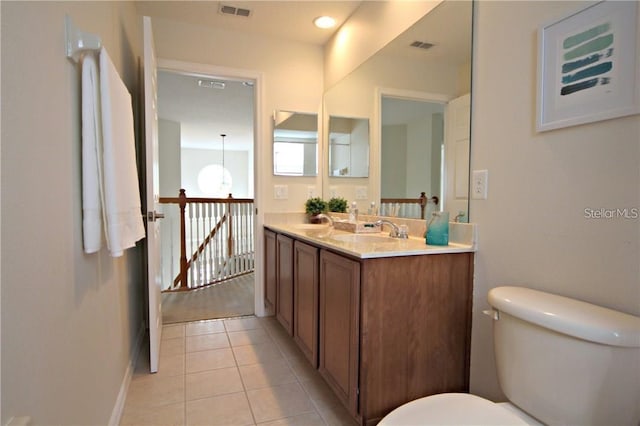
x=91 y=157
x=123 y=213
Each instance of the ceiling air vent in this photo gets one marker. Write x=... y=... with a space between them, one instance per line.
x=225 y=9
x=421 y=45
x=211 y=84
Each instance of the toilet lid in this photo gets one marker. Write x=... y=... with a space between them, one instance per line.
x=451 y=409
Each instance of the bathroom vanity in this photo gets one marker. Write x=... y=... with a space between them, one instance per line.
x=384 y=321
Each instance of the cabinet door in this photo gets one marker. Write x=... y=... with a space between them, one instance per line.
x=305 y=293
x=284 y=282
x=270 y=267
x=339 y=326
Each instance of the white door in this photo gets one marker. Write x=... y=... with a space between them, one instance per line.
x=457 y=156
x=152 y=176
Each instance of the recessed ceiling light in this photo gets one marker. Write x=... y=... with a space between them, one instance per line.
x=324 y=22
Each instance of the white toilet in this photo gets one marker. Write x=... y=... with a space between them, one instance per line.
x=559 y=361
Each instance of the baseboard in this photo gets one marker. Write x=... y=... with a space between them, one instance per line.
x=116 y=413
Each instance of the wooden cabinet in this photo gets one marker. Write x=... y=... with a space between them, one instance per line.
x=270 y=268
x=415 y=329
x=384 y=331
x=284 y=282
x=339 y=326
x=305 y=296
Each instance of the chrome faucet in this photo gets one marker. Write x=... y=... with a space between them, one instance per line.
x=396 y=231
x=325 y=216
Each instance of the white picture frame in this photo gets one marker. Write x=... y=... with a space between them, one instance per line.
x=589 y=66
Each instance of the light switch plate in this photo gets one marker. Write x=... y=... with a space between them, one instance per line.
x=281 y=192
x=311 y=191
x=479 y=184
x=361 y=193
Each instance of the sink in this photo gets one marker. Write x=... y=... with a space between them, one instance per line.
x=364 y=238
x=310 y=226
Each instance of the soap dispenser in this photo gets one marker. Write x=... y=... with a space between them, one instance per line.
x=353 y=212
x=438 y=229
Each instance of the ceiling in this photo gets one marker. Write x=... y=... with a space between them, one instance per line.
x=205 y=113
x=292 y=20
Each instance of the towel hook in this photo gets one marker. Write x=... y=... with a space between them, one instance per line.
x=78 y=41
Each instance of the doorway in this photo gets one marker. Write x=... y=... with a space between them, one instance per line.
x=206 y=129
x=412 y=141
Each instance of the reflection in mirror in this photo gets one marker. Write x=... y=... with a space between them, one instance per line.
x=295 y=144
x=412 y=140
x=348 y=147
x=429 y=63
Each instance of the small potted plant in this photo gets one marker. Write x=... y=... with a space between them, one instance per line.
x=313 y=207
x=337 y=205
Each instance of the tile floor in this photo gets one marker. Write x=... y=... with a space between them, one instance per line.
x=243 y=371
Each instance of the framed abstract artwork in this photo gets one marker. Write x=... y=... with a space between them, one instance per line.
x=589 y=66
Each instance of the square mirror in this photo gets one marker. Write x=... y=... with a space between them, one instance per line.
x=295 y=144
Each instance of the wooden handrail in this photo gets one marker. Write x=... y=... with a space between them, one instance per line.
x=176 y=200
x=422 y=200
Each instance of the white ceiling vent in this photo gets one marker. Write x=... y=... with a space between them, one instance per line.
x=226 y=9
x=211 y=84
x=421 y=45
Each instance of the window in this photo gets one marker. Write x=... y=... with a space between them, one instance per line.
x=288 y=158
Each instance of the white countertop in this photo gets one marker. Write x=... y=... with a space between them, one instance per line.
x=369 y=245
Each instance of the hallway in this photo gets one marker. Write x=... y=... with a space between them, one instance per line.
x=243 y=371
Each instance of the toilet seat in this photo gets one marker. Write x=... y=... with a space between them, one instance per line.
x=452 y=409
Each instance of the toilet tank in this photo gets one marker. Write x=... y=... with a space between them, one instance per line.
x=565 y=361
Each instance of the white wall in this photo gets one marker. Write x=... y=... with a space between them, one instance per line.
x=532 y=228
x=69 y=320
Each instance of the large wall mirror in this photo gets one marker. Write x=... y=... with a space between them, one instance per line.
x=348 y=147
x=295 y=143
x=416 y=93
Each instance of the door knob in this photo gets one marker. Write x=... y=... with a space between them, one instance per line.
x=153 y=215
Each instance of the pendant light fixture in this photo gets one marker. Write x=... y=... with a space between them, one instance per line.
x=223 y=169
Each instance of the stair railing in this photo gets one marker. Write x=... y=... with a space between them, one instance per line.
x=407 y=207
x=216 y=240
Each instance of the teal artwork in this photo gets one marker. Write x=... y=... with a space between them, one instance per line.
x=588 y=65
x=588 y=59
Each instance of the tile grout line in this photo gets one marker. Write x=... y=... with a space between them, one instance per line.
x=298 y=381
x=244 y=387
x=184 y=376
